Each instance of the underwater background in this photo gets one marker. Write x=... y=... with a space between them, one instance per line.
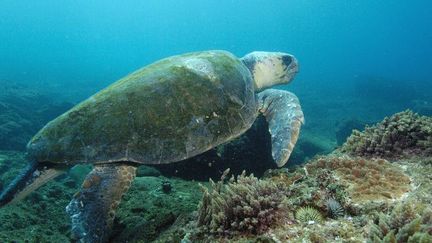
x=360 y=61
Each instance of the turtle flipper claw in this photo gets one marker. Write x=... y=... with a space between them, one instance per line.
x=285 y=117
x=93 y=208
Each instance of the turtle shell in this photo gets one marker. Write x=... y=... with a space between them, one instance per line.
x=168 y=111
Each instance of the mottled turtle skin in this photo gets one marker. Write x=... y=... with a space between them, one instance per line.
x=171 y=110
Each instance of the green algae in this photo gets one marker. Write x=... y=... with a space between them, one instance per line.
x=147 y=214
x=41 y=217
x=165 y=105
x=147 y=211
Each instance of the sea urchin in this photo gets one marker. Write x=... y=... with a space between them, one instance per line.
x=308 y=214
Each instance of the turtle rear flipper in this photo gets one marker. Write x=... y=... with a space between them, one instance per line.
x=30 y=178
x=284 y=116
x=93 y=208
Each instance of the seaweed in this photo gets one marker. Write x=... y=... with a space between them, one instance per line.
x=245 y=205
x=401 y=135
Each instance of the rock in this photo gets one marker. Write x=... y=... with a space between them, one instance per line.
x=23 y=112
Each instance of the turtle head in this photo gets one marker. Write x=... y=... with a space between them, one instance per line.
x=270 y=68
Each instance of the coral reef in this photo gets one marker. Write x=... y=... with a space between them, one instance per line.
x=420 y=172
x=309 y=187
x=360 y=199
x=403 y=134
x=149 y=215
x=367 y=179
x=244 y=205
x=282 y=176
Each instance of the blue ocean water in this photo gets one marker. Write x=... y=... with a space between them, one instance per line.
x=359 y=60
x=93 y=43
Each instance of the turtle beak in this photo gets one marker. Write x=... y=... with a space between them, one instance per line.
x=292 y=67
x=270 y=68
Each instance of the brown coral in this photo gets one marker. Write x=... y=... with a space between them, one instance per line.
x=404 y=133
x=368 y=179
x=244 y=205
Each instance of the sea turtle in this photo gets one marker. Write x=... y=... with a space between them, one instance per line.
x=168 y=111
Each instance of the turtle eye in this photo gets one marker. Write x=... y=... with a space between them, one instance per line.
x=287 y=59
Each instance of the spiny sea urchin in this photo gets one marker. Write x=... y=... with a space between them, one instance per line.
x=334 y=208
x=308 y=214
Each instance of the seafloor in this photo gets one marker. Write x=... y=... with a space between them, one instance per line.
x=374 y=188
x=147 y=213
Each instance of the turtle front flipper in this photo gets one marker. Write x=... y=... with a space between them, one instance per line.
x=284 y=116
x=93 y=208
